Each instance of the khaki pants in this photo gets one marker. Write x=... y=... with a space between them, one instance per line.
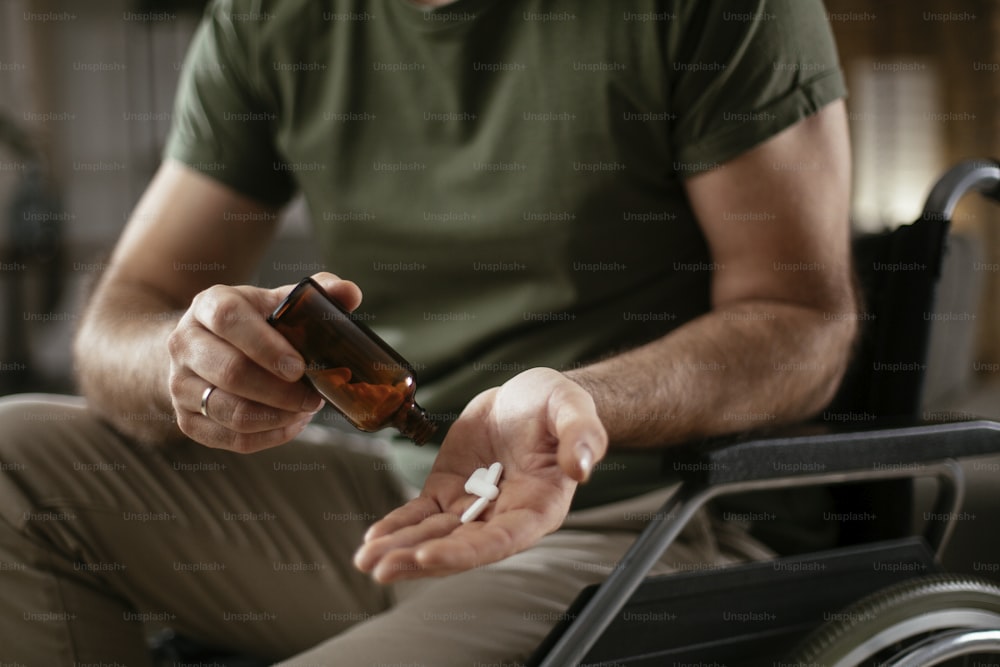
x=99 y=536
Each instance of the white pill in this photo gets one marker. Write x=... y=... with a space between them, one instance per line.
x=480 y=487
x=479 y=474
x=493 y=474
x=475 y=510
x=482 y=483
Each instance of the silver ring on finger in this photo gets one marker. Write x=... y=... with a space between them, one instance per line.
x=204 y=400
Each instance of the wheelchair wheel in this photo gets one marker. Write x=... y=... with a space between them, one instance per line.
x=883 y=627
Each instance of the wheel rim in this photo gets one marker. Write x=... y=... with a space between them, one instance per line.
x=943 y=647
x=969 y=619
x=905 y=613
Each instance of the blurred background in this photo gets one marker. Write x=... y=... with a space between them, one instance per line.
x=85 y=103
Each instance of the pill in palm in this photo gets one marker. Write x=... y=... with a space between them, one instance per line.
x=479 y=474
x=482 y=488
x=483 y=483
x=475 y=509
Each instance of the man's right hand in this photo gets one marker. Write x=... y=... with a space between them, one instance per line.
x=224 y=341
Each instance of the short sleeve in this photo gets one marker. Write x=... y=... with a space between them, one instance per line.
x=741 y=72
x=223 y=125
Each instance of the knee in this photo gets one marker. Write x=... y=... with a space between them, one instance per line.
x=30 y=422
x=40 y=437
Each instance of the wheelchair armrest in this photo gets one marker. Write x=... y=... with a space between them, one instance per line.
x=823 y=448
x=797 y=455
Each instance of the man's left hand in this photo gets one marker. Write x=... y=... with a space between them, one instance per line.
x=544 y=429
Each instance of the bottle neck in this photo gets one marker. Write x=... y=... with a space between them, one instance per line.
x=413 y=422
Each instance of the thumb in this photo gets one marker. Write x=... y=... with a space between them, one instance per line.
x=573 y=420
x=344 y=292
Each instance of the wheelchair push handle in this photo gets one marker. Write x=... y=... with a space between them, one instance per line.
x=980 y=175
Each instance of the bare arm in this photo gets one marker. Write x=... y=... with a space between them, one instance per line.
x=769 y=351
x=162 y=325
x=121 y=354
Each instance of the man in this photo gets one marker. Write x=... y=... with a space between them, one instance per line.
x=614 y=225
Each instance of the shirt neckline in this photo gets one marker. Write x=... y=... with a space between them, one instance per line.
x=449 y=16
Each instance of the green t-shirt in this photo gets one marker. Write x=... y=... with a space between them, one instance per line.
x=503 y=178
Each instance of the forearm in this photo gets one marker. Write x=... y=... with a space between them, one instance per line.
x=184 y=219
x=742 y=367
x=122 y=362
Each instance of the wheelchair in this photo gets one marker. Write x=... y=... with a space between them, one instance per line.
x=878 y=598
x=875 y=597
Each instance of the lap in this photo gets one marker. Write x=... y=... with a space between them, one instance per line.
x=250 y=551
x=254 y=552
x=499 y=613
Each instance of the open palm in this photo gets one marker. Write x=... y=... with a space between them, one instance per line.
x=544 y=429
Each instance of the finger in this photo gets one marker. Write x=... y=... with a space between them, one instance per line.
x=573 y=419
x=370 y=555
x=479 y=543
x=231 y=314
x=402 y=563
x=233 y=412
x=470 y=546
x=224 y=366
x=344 y=292
x=409 y=514
x=396 y=566
x=211 y=434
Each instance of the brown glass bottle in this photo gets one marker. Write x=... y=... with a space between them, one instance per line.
x=355 y=370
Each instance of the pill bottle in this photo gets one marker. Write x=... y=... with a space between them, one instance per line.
x=360 y=375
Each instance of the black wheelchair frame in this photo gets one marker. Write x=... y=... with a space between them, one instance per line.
x=885 y=381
